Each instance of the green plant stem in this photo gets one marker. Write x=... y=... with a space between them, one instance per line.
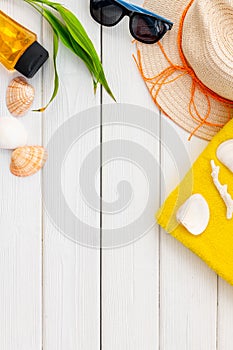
x=72 y=34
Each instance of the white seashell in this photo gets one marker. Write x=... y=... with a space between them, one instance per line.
x=225 y=154
x=12 y=133
x=194 y=214
x=222 y=189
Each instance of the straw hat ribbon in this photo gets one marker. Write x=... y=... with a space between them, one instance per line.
x=190 y=72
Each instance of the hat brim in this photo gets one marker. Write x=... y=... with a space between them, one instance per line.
x=174 y=98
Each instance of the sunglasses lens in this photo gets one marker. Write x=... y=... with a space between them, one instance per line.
x=105 y=12
x=147 y=29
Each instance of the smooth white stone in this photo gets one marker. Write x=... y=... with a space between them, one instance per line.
x=12 y=133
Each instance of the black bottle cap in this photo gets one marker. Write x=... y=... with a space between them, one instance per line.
x=31 y=60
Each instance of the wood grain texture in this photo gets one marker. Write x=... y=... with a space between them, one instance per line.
x=130 y=274
x=225 y=314
x=152 y=294
x=71 y=277
x=20 y=232
x=188 y=288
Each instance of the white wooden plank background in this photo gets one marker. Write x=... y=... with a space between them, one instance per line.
x=55 y=294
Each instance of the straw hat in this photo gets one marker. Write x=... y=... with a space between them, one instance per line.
x=190 y=72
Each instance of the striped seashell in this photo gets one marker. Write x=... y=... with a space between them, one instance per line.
x=19 y=96
x=26 y=161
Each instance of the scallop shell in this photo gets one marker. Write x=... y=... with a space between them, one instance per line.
x=12 y=133
x=194 y=214
x=225 y=154
x=19 y=96
x=26 y=161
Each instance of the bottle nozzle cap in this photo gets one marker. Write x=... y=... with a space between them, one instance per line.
x=31 y=60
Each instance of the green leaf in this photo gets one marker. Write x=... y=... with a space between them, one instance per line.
x=77 y=31
x=73 y=35
x=67 y=40
x=48 y=3
x=56 y=78
x=80 y=36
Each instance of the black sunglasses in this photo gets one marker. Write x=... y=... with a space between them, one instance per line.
x=145 y=26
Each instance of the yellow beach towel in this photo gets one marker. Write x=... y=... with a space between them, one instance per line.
x=215 y=244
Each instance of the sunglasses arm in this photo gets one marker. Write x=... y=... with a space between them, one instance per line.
x=141 y=10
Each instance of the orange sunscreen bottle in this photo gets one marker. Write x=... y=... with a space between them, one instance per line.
x=18 y=47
